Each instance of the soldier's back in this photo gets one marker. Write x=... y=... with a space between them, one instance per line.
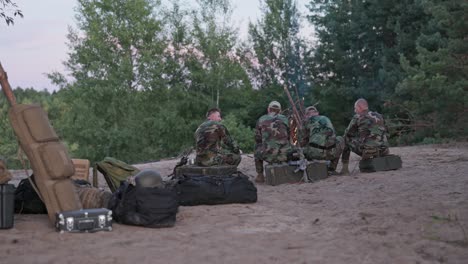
x=274 y=128
x=275 y=138
x=321 y=131
x=372 y=129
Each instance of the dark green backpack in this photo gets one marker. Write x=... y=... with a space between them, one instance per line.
x=114 y=171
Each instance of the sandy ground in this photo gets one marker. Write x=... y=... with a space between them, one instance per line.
x=418 y=214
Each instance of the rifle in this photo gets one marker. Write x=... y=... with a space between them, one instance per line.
x=302 y=165
x=183 y=161
x=298 y=117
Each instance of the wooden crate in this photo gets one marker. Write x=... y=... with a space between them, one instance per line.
x=276 y=174
x=81 y=169
x=317 y=170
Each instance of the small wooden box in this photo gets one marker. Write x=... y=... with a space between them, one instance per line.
x=81 y=169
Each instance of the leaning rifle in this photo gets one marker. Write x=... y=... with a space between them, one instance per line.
x=183 y=161
x=296 y=115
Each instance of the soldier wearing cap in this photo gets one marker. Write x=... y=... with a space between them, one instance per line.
x=319 y=139
x=366 y=135
x=271 y=139
x=214 y=145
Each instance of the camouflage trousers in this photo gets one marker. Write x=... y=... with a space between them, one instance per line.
x=5 y=175
x=271 y=155
x=333 y=154
x=217 y=159
x=365 y=151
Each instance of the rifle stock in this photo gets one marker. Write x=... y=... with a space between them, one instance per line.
x=6 y=87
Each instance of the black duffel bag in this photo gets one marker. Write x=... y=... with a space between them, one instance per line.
x=149 y=207
x=26 y=199
x=210 y=190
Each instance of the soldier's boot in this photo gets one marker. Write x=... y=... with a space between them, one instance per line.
x=345 y=169
x=260 y=178
x=259 y=169
x=332 y=166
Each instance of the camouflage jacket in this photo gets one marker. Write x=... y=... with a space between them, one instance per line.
x=213 y=138
x=368 y=129
x=319 y=131
x=272 y=134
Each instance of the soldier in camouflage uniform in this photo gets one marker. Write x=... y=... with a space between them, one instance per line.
x=271 y=139
x=320 y=141
x=214 y=145
x=366 y=135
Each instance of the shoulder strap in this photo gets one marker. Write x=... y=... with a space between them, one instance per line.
x=95 y=176
x=26 y=172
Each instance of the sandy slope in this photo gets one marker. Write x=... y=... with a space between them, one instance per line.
x=418 y=214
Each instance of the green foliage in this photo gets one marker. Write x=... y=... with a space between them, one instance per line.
x=277 y=53
x=407 y=57
x=115 y=60
x=142 y=75
x=242 y=134
x=435 y=89
x=8 y=143
x=358 y=51
x=8 y=10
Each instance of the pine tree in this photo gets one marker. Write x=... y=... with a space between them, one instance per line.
x=435 y=92
x=358 y=49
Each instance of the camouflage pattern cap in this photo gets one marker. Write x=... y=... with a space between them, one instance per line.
x=275 y=104
x=311 y=109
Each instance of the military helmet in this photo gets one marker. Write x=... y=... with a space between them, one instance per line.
x=148 y=178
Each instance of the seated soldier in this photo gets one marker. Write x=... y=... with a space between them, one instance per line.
x=320 y=141
x=214 y=145
x=366 y=135
x=271 y=139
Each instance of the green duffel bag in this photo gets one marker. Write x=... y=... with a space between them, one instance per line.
x=114 y=171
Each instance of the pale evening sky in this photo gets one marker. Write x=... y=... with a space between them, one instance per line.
x=36 y=44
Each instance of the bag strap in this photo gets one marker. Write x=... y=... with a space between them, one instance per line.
x=95 y=176
x=20 y=151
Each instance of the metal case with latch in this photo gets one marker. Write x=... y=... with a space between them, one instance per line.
x=85 y=220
